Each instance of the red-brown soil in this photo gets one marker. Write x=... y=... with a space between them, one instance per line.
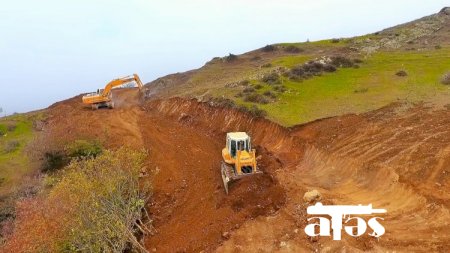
x=396 y=158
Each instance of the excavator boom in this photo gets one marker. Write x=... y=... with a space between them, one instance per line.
x=103 y=97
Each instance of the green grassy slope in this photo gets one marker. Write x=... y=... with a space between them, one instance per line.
x=17 y=131
x=421 y=48
x=369 y=87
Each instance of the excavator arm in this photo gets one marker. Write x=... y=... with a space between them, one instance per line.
x=103 y=97
x=121 y=81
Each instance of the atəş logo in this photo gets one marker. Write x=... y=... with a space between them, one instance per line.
x=340 y=212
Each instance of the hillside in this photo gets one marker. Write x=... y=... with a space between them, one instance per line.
x=420 y=48
x=332 y=115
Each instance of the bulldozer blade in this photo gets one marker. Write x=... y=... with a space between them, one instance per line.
x=226 y=177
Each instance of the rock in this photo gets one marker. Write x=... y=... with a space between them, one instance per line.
x=401 y=73
x=283 y=244
x=445 y=11
x=226 y=235
x=154 y=250
x=312 y=196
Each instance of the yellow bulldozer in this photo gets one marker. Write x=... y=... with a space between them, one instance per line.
x=239 y=159
x=103 y=97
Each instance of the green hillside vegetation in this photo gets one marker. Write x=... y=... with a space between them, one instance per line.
x=355 y=90
x=404 y=63
x=15 y=132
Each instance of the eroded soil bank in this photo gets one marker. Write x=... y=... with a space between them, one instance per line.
x=396 y=158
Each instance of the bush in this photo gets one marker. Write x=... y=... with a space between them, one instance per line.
x=258 y=86
x=249 y=90
x=445 y=79
x=279 y=88
x=341 y=62
x=256 y=112
x=271 y=78
x=401 y=73
x=270 y=94
x=293 y=49
x=97 y=206
x=54 y=160
x=222 y=102
x=83 y=148
x=256 y=98
x=57 y=159
x=11 y=146
x=335 y=40
x=230 y=58
x=329 y=68
x=268 y=48
x=266 y=65
x=244 y=82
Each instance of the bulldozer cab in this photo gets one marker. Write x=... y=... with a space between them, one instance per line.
x=238 y=141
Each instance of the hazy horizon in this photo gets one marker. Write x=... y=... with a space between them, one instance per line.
x=53 y=50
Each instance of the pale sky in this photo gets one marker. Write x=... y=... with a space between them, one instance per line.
x=55 y=49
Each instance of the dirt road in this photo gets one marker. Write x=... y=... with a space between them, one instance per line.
x=395 y=158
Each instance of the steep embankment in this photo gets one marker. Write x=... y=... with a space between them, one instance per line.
x=394 y=158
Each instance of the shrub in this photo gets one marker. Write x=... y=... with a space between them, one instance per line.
x=256 y=98
x=258 y=86
x=445 y=79
x=230 y=58
x=54 y=160
x=357 y=60
x=256 y=112
x=268 y=48
x=293 y=49
x=270 y=94
x=329 y=68
x=341 y=61
x=244 y=82
x=83 y=148
x=271 y=78
x=401 y=73
x=335 y=40
x=266 y=65
x=438 y=47
x=249 y=90
x=255 y=58
x=97 y=206
x=280 y=88
x=3 y=130
x=222 y=102
x=11 y=146
x=11 y=127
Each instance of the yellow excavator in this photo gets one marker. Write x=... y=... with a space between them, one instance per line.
x=103 y=97
x=239 y=159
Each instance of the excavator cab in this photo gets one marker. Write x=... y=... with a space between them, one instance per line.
x=239 y=159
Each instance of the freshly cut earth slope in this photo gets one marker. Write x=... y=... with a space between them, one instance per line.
x=367 y=136
x=395 y=158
